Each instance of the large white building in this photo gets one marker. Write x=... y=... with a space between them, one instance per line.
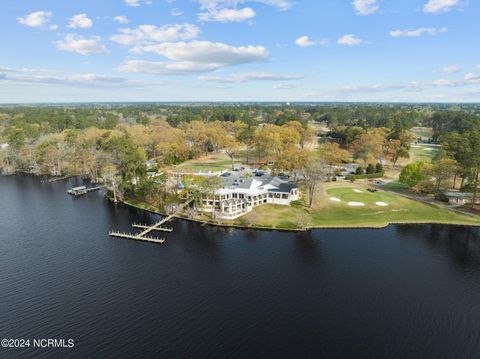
x=239 y=195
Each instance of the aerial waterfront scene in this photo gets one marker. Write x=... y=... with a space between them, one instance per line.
x=239 y=179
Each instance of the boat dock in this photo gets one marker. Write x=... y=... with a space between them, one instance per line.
x=147 y=229
x=143 y=226
x=81 y=190
x=138 y=238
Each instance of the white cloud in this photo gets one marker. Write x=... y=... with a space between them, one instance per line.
x=165 y=68
x=350 y=40
x=35 y=19
x=418 y=32
x=284 y=86
x=80 y=21
x=54 y=77
x=471 y=76
x=467 y=80
x=279 y=4
x=252 y=76
x=452 y=69
x=121 y=19
x=227 y=15
x=136 y=3
x=412 y=86
x=209 y=52
x=81 y=45
x=176 y=12
x=147 y=34
x=215 y=4
x=195 y=56
x=227 y=10
x=305 y=41
x=442 y=82
x=438 y=6
x=365 y=7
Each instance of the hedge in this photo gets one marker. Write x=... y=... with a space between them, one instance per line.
x=364 y=176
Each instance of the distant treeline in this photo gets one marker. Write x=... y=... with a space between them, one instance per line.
x=442 y=117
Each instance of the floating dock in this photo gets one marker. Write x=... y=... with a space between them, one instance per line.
x=137 y=238
x=81 y=190
x=147 y=229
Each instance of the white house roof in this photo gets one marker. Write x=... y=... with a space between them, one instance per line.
x=255 y=185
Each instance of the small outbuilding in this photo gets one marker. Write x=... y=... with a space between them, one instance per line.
x=461 y=198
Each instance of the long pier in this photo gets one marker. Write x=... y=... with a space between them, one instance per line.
x=143 y=226
x=147 y=229
x=137 y=238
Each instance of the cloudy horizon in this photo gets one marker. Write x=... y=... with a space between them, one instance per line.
x=239 y=50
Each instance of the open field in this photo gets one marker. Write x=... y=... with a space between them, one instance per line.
x=425 y=133
x=422 y=153
x=345 y=205
x=214 y=163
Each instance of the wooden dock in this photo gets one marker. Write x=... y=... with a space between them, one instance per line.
x=147 y=229
x=137 y=238
x=80 y=191
x=144 y=226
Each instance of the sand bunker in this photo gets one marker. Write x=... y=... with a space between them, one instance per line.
x=335 y=199
x=381 y=204
x=356 y=204
x=357 y=190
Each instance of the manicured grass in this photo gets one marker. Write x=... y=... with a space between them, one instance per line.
x=422 y=153
x=340 y=215
x=399 y=210
x=206 y=166
x=423 y=132
x=397 y=187
x=214 y=163
x=275 y=216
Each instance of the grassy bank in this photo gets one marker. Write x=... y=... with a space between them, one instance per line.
x=335 y=208
x=338 y=206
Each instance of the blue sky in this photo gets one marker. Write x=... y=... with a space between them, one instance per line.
x=239 y=50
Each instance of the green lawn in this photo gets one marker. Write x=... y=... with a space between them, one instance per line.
x=213 y=162
x=269 y=215
x=422 y=153
x=397 y=187
x=340 y=214
x=423 y=132
x=399 y=210
x=213 y=166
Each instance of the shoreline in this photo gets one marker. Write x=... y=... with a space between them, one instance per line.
x=300 y=230
x=284 y=229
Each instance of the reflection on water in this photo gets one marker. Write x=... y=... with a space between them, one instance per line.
x=460 y=243
x=399 y=292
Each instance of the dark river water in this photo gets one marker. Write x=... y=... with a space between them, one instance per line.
x=401 y=292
